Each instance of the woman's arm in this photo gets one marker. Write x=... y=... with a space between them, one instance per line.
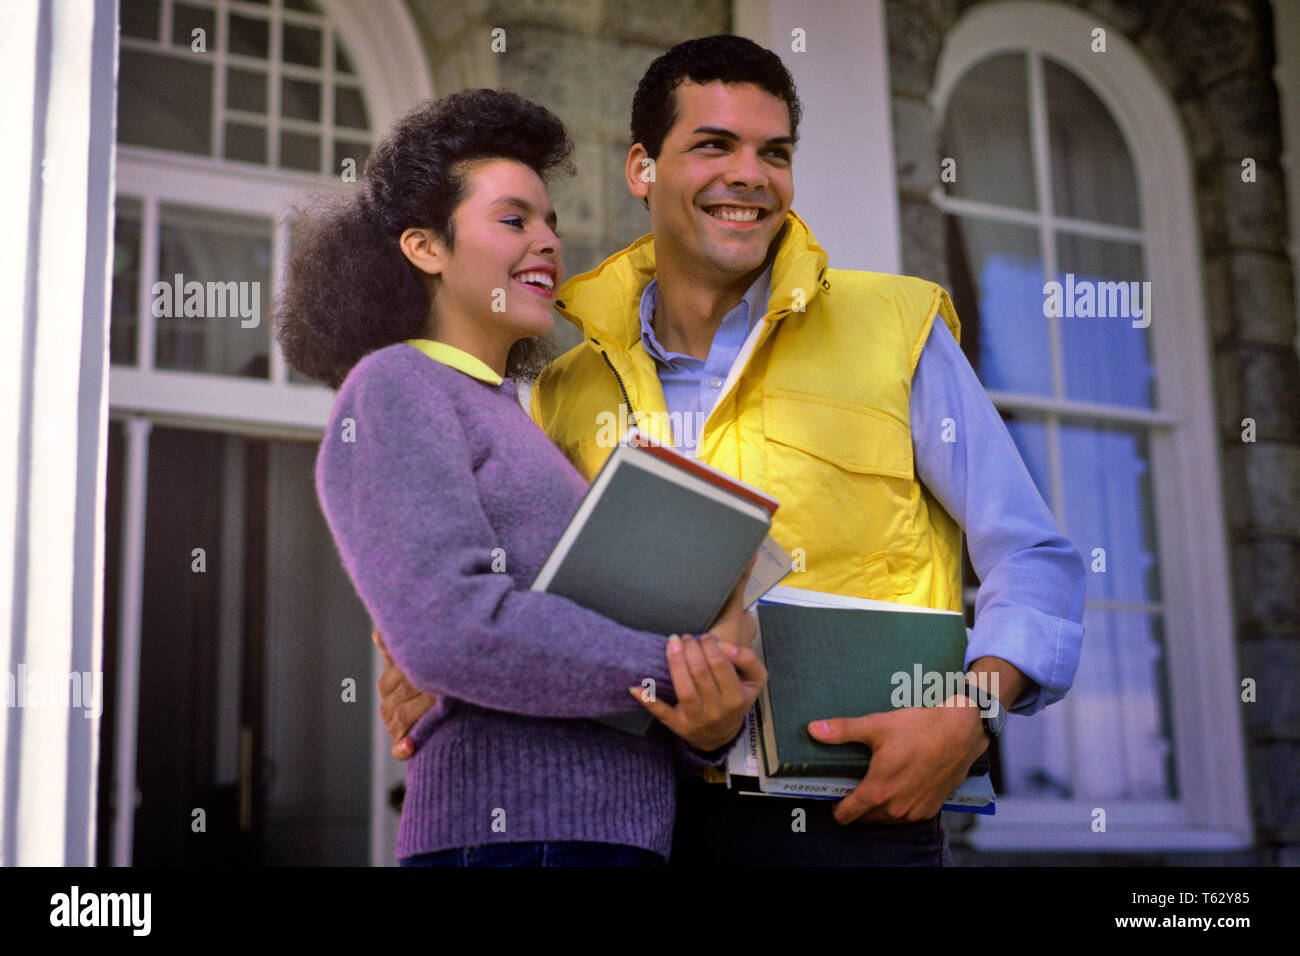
x=402 y=502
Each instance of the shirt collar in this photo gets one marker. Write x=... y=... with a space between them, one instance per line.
x=751 y=306
x=458 y=359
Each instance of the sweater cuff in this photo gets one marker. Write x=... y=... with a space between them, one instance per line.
x=690 y=761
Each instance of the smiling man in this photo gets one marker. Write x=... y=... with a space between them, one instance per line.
x=845 y=395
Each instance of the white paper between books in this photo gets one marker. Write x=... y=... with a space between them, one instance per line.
x=745 y=768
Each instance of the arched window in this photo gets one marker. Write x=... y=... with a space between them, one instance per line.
x=1068 y=232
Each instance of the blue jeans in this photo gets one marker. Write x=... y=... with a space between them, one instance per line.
x=554 y=853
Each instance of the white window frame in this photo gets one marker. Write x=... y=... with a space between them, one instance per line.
x=1213 y=810
x=384 y=47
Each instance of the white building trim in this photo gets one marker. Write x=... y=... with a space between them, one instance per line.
x=58 y=73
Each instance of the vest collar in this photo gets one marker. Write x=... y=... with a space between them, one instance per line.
x=603 y=303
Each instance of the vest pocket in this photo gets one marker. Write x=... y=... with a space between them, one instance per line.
x=852 y=437
x=845 y=479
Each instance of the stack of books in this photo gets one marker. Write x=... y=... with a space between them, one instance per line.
x=660 y=541
x=834 y=656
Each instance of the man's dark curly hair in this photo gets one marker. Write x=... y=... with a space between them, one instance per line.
x=349 y=289
x=730 y=59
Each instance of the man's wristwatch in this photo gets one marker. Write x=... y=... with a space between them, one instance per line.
x=992 y=714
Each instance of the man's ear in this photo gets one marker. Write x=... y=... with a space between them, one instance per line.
x=424 y=249
x=640 y=171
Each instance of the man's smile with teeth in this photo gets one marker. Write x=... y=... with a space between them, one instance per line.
x=537 y=278
x=735 y=213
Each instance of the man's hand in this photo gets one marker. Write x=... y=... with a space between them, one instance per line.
x=715 y=682
x=400 y=704
x=919 y=756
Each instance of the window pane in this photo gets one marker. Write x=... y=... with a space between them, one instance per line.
x=1111 y=737
x=215 y=322
x=1035 y=754
x=1109 y=505
x=246 y=90
x=1092 y=171
x=318 y=800
x=124 y=320
x=1123 y=746
x=249 y=36
x=186 y=19
x=300 y=99
x=986 y=130
x=300 y=151
x=306 y=6
x=165 y=102
x=246 y=142
x=342 y=62
x=141 y=19
x=349 y=108
x=1102 y=295
x=1011 y=350
x=301 y=45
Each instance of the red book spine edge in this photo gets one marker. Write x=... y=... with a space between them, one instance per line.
x=673 y=457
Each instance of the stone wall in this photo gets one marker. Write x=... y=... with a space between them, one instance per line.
x=1216 y=58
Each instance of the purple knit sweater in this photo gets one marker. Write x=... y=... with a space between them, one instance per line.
x=441 y=471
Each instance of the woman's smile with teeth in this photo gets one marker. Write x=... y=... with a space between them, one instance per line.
x=540 y=279
x=733 y=213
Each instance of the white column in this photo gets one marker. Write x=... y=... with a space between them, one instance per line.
x=845 y=187
x=56 y=120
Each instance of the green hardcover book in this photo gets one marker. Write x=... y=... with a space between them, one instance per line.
x=830 y=656
x=658 y=543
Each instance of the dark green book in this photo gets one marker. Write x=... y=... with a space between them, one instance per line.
x=658 y=543
x=829 y=656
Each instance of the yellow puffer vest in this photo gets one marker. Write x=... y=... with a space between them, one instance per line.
x=816 y=413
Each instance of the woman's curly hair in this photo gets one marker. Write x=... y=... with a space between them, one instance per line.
x=349 y=289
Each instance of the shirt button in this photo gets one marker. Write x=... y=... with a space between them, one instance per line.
x=716 y=382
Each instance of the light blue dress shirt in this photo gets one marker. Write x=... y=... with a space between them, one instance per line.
x=1029 y=607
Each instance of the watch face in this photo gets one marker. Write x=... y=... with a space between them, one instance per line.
x=997 y=717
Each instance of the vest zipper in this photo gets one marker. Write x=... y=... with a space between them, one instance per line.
x=631 y=415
